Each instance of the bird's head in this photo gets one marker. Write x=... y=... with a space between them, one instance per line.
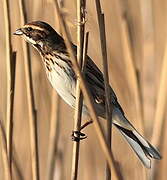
x=38 y=33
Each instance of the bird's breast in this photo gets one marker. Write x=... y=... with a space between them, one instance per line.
x=61 y=77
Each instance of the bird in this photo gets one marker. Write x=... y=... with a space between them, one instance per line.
x=59 y=70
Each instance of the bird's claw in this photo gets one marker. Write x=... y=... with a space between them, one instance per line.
x=77 y=136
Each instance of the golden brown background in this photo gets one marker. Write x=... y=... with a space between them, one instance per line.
x=146 y=22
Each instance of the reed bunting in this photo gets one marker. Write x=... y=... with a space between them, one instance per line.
x=60 y=73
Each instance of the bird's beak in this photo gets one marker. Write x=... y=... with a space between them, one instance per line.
x=18 y=32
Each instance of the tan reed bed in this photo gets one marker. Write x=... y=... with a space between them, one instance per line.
x=127 y=53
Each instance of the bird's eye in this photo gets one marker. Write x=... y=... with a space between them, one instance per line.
x=29 y=29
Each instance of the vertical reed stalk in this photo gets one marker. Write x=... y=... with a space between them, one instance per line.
x=85 y=49
x=130 y=71
x=30 y=100
x=158 y=124
x=131 y=76
x=161 y=103
x=6 y=164
x=79 y=96
x=108 y=104
x=10 y=69
x=53 y=136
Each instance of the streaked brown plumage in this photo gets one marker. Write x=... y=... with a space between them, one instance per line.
x=59 y=70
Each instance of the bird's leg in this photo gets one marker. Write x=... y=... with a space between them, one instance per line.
x=86 y=124
x=78 y=135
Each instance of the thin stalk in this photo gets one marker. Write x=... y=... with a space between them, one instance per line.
x=54 y=135
x=161 y=102
x=131 y=76
x=128 y=55
x=130 y=71
x=159 y=121
x=85 y=49
x=79 y=97
x=30 y=100
x=3 y=143
x=86 y=95
x=108 y=104
x=10 y=69
x=10 y=126
x=16 y=166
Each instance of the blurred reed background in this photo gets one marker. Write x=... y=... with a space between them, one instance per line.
x=136 y=45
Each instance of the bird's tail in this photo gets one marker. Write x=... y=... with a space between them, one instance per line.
x=141 y=147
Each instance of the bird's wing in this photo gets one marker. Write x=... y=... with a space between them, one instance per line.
x=95 y=81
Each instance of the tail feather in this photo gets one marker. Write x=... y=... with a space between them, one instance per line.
x=144 y=150
x=152 y=152
x=141 y=147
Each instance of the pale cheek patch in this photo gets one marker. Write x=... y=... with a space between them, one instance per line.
x=29 y=40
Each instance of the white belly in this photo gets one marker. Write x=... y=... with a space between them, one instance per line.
x=65 y=87
x=63 y=84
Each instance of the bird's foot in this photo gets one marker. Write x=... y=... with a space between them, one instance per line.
x=77 y=136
